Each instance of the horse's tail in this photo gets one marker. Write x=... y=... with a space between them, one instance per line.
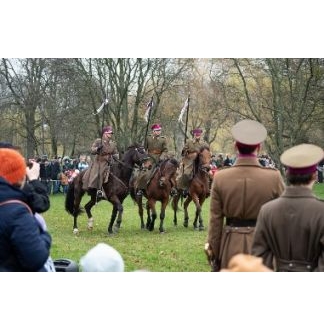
x=69 y=199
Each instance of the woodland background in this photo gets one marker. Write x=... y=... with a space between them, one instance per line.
x=47 y=105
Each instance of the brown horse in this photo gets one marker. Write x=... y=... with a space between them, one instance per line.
x=116 y=189
x=199 y=189
x=158 y=189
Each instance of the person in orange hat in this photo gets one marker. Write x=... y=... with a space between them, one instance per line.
x=189 y=153
x=157 y=149
x=237 y=194
x=105 y=151
x=289 y=235
x=36 y=191
x=24 y=242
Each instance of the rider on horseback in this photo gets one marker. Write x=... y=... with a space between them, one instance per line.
x=189 y=154
x=156 y=146
x=105 y=150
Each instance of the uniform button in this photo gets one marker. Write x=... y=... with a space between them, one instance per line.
x=309 y=267
x=290 y=265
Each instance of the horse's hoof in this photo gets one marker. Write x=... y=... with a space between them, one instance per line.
x=75 y=231
x=162 y=231
x=185 y=224
x=196 y=228
x=90 y=224
x=201 y=228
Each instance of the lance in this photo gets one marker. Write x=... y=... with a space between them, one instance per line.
x=187 y=118
x=147 y=117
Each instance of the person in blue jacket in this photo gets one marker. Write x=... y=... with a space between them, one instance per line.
x=24 y=243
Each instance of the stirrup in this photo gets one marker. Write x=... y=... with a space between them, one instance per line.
x=139 y=192
x=99 y=194
x=173 y=192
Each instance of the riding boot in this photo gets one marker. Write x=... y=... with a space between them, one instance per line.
x=173 y=191
x=185 y=193
x=139 y=192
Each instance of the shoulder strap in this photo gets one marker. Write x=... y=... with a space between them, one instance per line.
x=17 y=201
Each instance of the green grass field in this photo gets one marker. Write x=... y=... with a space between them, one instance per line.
x=180 y=249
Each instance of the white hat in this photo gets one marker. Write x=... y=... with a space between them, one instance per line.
x=102 y=258
x=249 y=132
x=303 y=158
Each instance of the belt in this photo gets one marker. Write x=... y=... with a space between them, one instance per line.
x=294 y=265
x=154 y=152
x=235 y=222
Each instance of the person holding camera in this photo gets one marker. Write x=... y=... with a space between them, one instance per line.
x=105 y=150
x=24 y=240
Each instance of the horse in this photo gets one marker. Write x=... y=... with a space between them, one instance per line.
x=116 y=189
x=158 y=189
x=199 y=189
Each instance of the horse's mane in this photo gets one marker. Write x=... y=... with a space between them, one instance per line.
x=197 y=160
x=173 y=162
x=135 y=145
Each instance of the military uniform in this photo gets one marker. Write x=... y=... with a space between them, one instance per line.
x=189 y=153
x=104 y=149
x=156 y=146
x=237 y=194
x=289 y=235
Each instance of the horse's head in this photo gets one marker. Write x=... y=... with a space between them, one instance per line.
x=204 y=158
x=169 y=167
x=135 y=154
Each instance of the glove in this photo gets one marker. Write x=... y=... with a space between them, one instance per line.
x=99 y=149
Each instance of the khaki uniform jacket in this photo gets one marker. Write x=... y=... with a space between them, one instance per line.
x=95 y=174
x=192 y=147
x=189 y=152
x=291 y=229
x=156 y=147
x=239 y=192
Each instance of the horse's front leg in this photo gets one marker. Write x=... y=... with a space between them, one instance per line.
x=198 y=213
x=162 y=215
x=148 y=215
x=175 y=202
x=75 y=224
x=88 y=208
x=112 y=220
x=201 y=224
x=151 y=209
x=185 y=208
x=139 y=202
x=117 y=209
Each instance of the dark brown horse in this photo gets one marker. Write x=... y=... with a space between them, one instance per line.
x=116 y=189
x=199 y=189
x=158 y=189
